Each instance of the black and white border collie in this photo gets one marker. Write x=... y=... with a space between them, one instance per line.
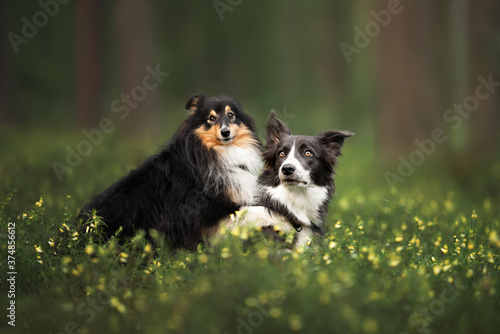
x=297 y=182
x=206 y=171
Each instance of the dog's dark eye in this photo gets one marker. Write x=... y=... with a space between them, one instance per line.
x=281 y=154
x=212 y=118
x=230 y=114
x=308 y=153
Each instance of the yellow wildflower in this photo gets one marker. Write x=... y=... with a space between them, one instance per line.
x=123 y=257
x=203 y=258
x=115 y=302
x=494 y=239
x=437 y=269
x=89 y=249
x=225 y=253
x=263 y=253
x=295 y=322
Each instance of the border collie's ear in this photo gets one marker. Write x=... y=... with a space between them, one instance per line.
x=333 y=140
x=275 y=129
x=194 y=101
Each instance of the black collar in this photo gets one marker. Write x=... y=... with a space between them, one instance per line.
x=243 y=167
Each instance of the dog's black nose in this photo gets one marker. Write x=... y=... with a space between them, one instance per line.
x=225 y=132
x=288 y=169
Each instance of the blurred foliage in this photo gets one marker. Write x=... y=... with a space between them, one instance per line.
x=282 y=55
x=390 y=252
x=421 y=257
x=272 y=64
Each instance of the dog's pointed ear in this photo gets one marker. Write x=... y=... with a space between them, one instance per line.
x=275 y=129
x=194 y=102
x=333 y=140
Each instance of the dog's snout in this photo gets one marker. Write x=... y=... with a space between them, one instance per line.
x=288 y=169
x=225 y=132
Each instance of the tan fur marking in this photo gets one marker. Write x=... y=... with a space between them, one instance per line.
x=194 y=106
x=243 y=136
x=228 y=109
x=212 y=113
x=209 y=137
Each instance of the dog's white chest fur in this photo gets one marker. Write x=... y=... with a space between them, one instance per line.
x=242 y=166
x=303 y=202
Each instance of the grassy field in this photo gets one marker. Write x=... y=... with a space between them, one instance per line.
x=422 y=257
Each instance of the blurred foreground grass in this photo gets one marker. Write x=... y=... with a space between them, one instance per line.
x=419 y=258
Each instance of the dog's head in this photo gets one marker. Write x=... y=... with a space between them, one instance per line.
x=300 y=161
x=220 y=121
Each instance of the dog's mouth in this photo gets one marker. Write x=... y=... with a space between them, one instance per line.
x=227 y=140
x=294 y=182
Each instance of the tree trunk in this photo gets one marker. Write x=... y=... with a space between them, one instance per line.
x=484 y=55
x=6 y=83
x=135 y=44
x=407 y=79
x=475 y=142
x=88 y=63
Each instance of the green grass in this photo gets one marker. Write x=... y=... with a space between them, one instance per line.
x=419 y=258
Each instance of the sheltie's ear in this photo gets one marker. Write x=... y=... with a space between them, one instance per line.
x=333 y=140
x=275 y=129
x=194 y=102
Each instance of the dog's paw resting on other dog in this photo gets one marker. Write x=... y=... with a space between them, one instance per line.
x=297 y=183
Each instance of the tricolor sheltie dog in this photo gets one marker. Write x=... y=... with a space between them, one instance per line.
x=297 y=182
x=206 y=171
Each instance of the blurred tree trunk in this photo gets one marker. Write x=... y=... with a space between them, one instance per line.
x=88 y=63
x=408 y=73
x=476 y=140
x=335 y=80
x=135 y=49
x=458 y=71
x=484 y=55
x=6 y=113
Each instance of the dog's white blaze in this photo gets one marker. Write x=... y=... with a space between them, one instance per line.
x=242 y=182
x=303 y=202
x=300 y=173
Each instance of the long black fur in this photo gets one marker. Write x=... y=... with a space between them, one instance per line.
x=175 y=191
